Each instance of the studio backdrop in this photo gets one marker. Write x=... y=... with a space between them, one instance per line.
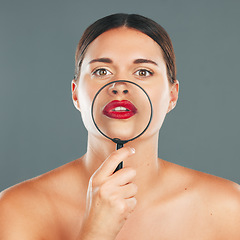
x=39 y=127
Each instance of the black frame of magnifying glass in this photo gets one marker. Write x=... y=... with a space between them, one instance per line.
x=117 y=140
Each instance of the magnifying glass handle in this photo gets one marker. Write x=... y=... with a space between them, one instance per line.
x=120 y=165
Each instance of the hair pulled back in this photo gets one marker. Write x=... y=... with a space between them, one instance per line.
x=134 y=21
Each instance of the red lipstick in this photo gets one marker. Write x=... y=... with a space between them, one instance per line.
x=120 y=109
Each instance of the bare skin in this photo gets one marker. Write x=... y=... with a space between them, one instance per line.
x=183 y=204
x=149 y=198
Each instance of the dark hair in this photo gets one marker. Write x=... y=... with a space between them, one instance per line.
x=135 y=21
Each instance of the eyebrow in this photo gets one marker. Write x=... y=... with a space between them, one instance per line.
x=142 y=60
x=103 y=60
x=137 y=61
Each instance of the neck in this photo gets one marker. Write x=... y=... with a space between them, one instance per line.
x=144 y=161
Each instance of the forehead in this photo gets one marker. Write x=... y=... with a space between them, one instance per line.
x=124 y=43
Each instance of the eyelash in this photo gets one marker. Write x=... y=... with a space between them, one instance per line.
x=145 y=70
x=96 y=72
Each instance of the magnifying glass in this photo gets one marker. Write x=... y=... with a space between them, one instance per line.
x=121 y=111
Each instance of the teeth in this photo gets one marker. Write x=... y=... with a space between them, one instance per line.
x=120 y=109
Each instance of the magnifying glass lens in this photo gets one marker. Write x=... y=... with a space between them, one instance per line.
x=121 y=110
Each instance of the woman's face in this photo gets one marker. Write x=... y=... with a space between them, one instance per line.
x=124 y=54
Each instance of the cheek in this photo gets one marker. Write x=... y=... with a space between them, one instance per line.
x=86 y=91
x=86 y=94
x=160 y=102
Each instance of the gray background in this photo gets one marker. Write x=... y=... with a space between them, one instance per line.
x=40 y=128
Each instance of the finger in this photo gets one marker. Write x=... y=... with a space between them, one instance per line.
x=122 y=177
x=131 y=202
x=128 y=191
x=110 y=164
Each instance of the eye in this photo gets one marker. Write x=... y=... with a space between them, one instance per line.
x=143 y=73
x=101 y=72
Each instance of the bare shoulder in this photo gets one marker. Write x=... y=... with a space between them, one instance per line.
x=211 y=185
x=219 y=198
x=222 y=197
x=30 y=207
x=19 y=206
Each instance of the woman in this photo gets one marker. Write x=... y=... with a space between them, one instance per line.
x=149 y=198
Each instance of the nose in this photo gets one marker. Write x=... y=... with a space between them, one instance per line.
x=118 y=88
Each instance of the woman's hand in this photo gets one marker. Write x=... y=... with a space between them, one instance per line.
x=110 y=198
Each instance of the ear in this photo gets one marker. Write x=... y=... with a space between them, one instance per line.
x=174 y=90
x=74 y=87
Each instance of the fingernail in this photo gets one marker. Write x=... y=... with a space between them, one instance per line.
x=133 y=150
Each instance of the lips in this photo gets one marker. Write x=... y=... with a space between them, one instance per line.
x=119 y=109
